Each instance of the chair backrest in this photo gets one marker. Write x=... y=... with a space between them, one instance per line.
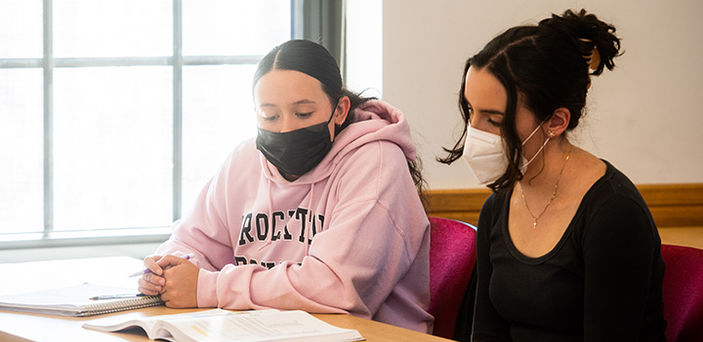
x=682 y=293
x=452 y=260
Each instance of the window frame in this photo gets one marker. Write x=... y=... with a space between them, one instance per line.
x=317 y=20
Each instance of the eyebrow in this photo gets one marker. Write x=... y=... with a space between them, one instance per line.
x=491 y=111
x=299 y=102
x=486 y=111
x=304 y=101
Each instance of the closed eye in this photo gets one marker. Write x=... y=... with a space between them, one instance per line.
x=303 y=115
x=269 y=118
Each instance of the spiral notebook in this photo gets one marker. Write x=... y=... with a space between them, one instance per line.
x=76 y=301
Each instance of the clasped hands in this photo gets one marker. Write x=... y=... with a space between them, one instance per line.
x=172 y=277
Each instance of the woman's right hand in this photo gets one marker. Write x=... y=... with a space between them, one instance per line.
x=151 y=283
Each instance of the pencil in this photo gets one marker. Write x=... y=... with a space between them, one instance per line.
x=117 y=296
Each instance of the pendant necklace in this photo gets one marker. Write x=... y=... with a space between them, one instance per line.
x=551 y=198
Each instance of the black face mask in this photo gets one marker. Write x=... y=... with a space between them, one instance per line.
x=296 y=152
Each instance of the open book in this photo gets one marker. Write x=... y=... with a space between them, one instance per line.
x=76 y=300
x=222 y=325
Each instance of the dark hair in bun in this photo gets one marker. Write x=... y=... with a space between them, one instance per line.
x=549 y=65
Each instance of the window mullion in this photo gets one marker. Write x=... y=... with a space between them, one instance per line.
x=177 y=107
x=320 y=21
x=82 y=62
x=48 y=120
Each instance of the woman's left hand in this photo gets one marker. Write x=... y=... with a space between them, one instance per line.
x=180 y=289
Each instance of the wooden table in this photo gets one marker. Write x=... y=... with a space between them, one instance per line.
x=682 y=236
x=40 y=275
x=15 y=326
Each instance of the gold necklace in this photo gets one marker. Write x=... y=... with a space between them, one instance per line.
x=551 y=198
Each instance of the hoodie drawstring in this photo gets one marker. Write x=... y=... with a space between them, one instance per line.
x=308 y=231
x=269 y=241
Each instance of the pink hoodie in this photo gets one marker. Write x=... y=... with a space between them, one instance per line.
x=251 y=231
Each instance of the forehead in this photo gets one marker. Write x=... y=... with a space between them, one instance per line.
x=281 y=87
x=483 y=90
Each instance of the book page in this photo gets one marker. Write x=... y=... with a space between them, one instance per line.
x=267 y=325
x=150 y=327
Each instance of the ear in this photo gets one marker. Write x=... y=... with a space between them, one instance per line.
x=558 y=123
x=342 y=110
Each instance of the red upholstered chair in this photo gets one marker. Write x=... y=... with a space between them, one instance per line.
x=682 y=293
x=452 y=260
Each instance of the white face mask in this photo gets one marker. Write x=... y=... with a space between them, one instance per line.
x=485 y=154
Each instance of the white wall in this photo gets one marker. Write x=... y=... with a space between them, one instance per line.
x=645 y=117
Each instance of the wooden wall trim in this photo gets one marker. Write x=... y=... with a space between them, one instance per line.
x=672 y=205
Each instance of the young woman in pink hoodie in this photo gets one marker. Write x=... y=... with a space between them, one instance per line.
x=320 y=212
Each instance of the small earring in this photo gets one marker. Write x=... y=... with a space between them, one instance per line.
x=550 y=134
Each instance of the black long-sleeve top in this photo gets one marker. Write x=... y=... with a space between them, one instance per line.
x=601 y=282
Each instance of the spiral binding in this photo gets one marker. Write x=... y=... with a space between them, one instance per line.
x=119 y=305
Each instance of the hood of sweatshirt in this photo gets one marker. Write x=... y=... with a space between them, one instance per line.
x=372 y=121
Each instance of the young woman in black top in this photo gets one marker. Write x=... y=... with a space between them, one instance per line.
x=567 y=248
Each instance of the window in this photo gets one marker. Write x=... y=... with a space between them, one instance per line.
x=114 y=114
